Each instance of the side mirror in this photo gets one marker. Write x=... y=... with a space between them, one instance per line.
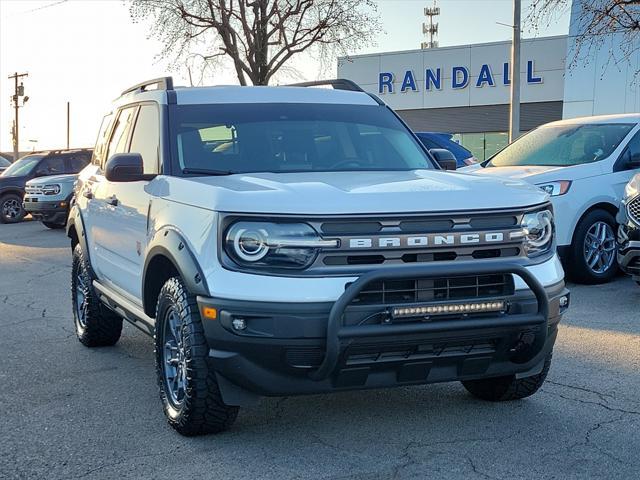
x=125 y=167
x=445 y=158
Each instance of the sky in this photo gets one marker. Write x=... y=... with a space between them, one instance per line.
x=87 y=51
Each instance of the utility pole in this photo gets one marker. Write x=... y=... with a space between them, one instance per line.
x=514 y=97
x=18 y=91
x=68 y=123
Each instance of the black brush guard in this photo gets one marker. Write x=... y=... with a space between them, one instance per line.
x=336 y=330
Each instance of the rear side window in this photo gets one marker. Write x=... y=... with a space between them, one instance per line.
x=77 y=161
x=145 y=139
x=53 y=165
x=101 y=142
x=118 y=142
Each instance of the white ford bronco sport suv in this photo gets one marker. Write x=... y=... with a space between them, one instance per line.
x=292 y=240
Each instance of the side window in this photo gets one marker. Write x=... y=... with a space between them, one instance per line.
x=146 y=137
x=77 y=162
x=118 y=142
x=51 y=166
x=101 y=142
x=630 y=157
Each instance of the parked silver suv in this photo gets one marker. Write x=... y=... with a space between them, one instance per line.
x=47 y=198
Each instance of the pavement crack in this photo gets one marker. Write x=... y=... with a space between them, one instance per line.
x=589 y=402
x=477 y=471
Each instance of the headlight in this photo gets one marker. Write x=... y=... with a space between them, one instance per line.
x=538 y=232
x=633 y=187
x=275 y=245
x=556 y=188
x=52 y=189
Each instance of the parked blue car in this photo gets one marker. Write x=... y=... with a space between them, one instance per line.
x=444 y=140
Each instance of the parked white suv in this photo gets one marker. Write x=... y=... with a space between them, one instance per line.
x=584 y=164
x=287 y=240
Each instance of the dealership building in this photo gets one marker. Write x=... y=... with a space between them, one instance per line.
x=464 y=90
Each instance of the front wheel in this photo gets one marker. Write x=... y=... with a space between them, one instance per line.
x=11 y=210
x=188 y=386
x=592 y=255
x=501 y=389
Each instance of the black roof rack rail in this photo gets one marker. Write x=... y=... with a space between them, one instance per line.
x=337 y=84
x=163 y=83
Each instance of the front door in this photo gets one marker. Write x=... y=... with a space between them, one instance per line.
x=121 y=228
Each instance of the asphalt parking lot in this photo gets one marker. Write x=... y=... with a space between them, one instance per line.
x=71 y=412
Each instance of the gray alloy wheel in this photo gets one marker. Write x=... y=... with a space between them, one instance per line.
x=599 y=247
x=175 y=368
x=81 y=299
x=11 y=210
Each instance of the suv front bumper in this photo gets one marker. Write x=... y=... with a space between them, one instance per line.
x=54 y=211
x=628 y=244
x=303 y=348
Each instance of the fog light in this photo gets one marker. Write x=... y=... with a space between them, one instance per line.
x=564 y=301
x=239 y=324
x=449 y=308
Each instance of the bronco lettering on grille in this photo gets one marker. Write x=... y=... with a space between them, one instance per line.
x=433 y=240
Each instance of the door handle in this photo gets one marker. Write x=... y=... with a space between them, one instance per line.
x=87 y=194
x=113 y=200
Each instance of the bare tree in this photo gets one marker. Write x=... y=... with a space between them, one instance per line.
x=259 y=37
x=596 y=21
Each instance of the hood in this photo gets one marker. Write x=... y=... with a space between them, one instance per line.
x=54 y=179
x=326 y=193
x=6 y=182
x=537 y=174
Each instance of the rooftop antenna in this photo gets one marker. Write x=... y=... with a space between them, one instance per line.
x=430 y=28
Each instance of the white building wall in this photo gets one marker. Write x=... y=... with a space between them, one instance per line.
x=596 y=85
x=547 y=54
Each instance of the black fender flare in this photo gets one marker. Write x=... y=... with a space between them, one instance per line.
x=76 y=222
x=167 y=242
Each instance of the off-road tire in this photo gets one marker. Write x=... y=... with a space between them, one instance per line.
x=11 y=197
x=101 y=327
x=501 y=389
x=575 y=264
x=201 y=410
x=54 y=226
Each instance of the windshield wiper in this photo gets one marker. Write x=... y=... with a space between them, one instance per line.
x=204 y=171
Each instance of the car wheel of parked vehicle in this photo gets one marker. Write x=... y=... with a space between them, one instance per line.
x=501 y=389
x=96 y=326
x=592 y=255
x=188 y=387
x=11 y=210
x=53 y=226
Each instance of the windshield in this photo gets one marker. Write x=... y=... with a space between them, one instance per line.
x=4 y=162
x=242 y=138
x=23 y=166
x=563 y=145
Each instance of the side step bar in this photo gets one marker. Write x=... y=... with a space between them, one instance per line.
x=131 y=312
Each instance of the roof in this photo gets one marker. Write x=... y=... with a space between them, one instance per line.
x=251 y=94
x=616 y=118
x=237 y=94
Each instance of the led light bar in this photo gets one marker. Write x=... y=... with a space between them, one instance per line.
x=449 y=309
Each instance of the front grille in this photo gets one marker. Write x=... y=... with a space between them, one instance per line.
x=33 y=189
x=419 y=290
x=634 y=209
x=400 y=229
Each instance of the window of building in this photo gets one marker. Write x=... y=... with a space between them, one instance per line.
x=483 y=145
